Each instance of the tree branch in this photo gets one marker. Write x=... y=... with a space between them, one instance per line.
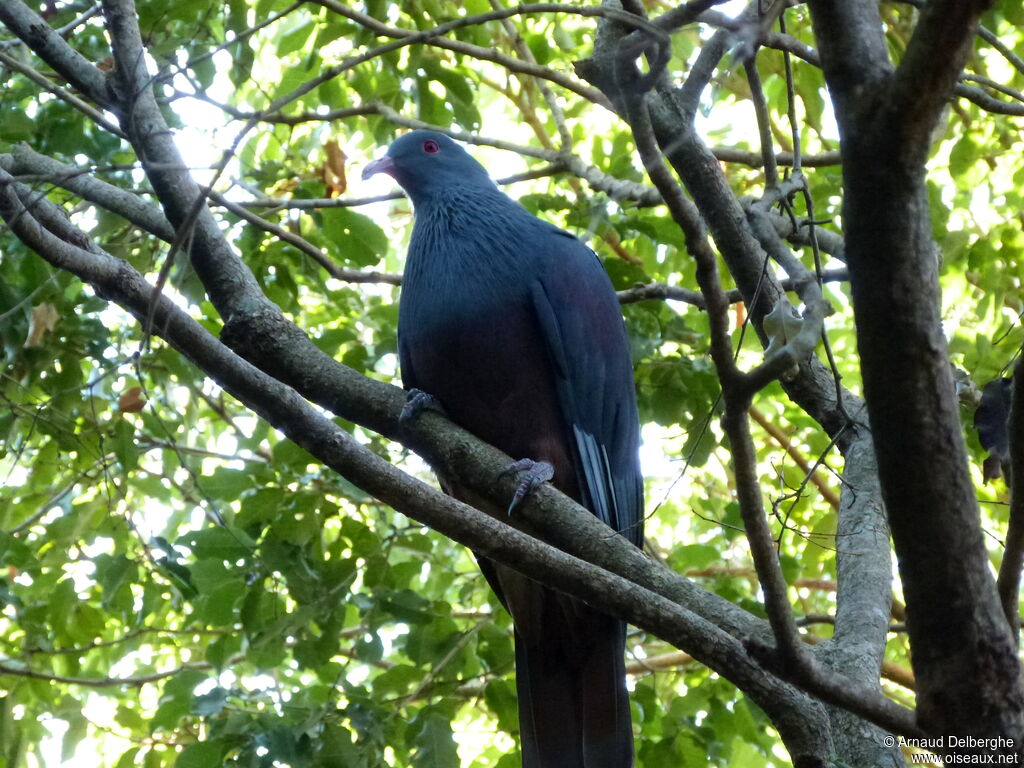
x=987 y=102
x=25 y=163
x=929 y=70
x=33 y=30
x=61 y=93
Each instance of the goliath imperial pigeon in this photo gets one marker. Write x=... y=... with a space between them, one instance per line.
x=511 y=326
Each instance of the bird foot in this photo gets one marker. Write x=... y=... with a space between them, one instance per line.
x=416 y=402
x=533 y=474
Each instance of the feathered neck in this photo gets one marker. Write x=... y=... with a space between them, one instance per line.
x=466 y=236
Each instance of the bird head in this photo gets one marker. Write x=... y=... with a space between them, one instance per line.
x=425 y=163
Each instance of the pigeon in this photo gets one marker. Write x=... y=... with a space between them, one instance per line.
x=511 y=326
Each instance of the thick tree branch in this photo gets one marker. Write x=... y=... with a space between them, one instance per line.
x=929 y=70
x=28 y=165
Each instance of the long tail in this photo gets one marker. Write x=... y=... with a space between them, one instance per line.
x=571 y=680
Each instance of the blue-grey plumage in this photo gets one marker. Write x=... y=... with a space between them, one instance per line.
x=513 y=325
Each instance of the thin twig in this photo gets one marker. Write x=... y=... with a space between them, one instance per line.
x=321 y=258
x=61 y=93
x=771 y=174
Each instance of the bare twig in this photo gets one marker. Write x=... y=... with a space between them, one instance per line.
x=771 y=174
x=732 y=296
x=786 y=443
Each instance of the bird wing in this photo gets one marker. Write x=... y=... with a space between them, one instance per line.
x=582 y=326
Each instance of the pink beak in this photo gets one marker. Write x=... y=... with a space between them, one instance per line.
x=383 y=165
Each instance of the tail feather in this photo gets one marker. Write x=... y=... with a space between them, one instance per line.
x=573 y=704
x=570 y=676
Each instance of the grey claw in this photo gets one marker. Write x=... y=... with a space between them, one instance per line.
x=533 y=474
x=417 y=401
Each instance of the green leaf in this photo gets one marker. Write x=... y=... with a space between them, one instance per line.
x=695 y=556
x=226 y=483
x=434 y=742
x=263 y=505
x=114 y=573
x=356 y=237
x=207 y=575
x=222 y=543
x=176 y=699
x=500 y=696
x=210 y=704
x=220 y=606
x=15 y=125
x=125 y=449
x=292 y=455
x=296 y=37
x=335 y=748
x=206 y=754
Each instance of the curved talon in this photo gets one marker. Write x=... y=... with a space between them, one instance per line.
x=534 y=473
x=417 y=401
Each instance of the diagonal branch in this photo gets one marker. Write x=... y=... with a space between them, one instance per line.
x=61 y=93
x=33 y=30
x=930 y=68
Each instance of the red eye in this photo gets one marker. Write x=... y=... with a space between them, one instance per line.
x=431 y=147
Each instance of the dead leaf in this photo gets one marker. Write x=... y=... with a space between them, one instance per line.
x=284 y=188
x=131 y=401
x=334 y=169
x=44 y=319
